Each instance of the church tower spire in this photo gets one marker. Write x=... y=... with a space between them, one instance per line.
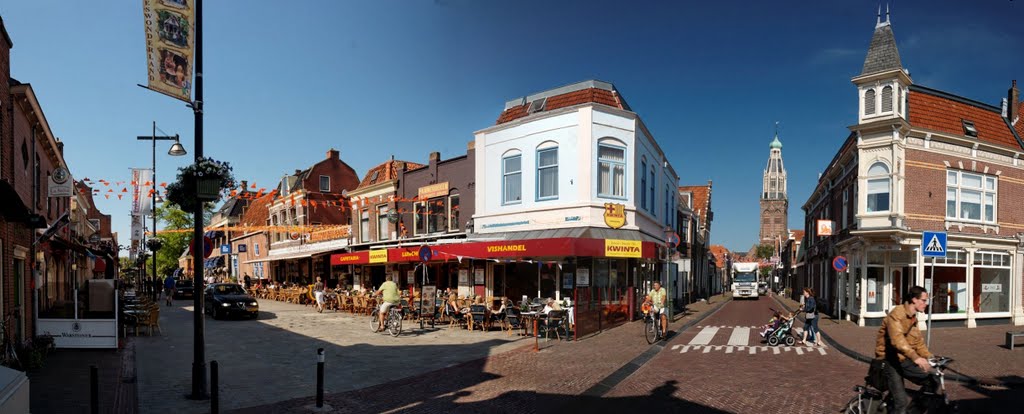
x=774 y=199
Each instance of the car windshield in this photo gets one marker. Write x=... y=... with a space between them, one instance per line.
x=228 y=290
x=746 y=277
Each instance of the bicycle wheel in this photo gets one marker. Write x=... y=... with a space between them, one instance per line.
x=650 y=331
x=863 y=405
x=374 y=321
x=395 y=325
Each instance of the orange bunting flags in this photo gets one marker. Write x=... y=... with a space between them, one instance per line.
x=107 y=196
x=164 y=185
x=253 y=185
x=124 y=190
x=119 y=196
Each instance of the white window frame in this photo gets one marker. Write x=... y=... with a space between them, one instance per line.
x=364 y=225
x=878 y=178
x=887 y=93
x=382 y=218
x=507 y=175
x=542 y=168
x=611 y=171
x=322 y=189
x=453 y=223
x=955 y=183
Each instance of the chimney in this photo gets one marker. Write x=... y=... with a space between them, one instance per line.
x=333 y=154
x=1013 y=95
x=60 y=147
x=435 y=156
x=245 y=186
x=297 y=172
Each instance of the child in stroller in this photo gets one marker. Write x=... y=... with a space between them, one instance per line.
x=777 y=321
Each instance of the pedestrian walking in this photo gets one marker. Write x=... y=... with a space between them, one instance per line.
x=810 y=308
x=169 y=289
x=248 y=281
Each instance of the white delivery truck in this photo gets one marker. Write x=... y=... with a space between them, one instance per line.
x=744 y=280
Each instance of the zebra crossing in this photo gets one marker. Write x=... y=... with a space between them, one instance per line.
x=741 y=340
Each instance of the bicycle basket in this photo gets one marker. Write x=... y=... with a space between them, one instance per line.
x=876 y=375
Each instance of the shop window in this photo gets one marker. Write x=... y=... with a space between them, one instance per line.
x=878 y=187
x=970 y=197
x=547 y=174
x=875 y=280
x=453 y=212
x=950 y=289
x=512 y=179
x=991 y=290
x=382 y=223
x=611 y=160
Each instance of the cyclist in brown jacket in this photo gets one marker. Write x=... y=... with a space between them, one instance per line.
x=901 y=346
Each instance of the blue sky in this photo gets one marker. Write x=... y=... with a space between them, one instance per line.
x=285 y=81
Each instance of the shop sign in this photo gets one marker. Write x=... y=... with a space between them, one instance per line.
x=991 y=288
x=505 y=248
x=615 y=215
x=379 y=256
x=60 y=183
x=433 y=190
x=622 y=248
x=825 y=227
x=348 y=258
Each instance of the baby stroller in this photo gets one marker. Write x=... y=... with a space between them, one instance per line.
x=781 y=334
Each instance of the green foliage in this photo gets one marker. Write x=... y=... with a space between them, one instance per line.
x=174 y=243
x=765 y=251
x=183 y=191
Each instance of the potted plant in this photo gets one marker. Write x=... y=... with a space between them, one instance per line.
x=199 y=183
x=154 y=244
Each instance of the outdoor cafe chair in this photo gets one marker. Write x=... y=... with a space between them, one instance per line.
x=553 y=322
x=478 y=314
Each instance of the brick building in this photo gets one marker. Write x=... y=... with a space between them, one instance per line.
x=250 y=246
x=920 y=159
x=774 y=202
x=698 y=278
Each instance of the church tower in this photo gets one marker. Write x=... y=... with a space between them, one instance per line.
x=774 y=201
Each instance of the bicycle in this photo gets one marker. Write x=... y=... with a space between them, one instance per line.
x=874 y=398
x=652 y=326
x=9 y=355
x=393 y=322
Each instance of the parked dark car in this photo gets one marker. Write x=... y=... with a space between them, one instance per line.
x=228 y=299
x=183 y=288
x=762 y=289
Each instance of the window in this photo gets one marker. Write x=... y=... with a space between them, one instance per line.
x=846 y=206
x=453 y=212
x=991 y=282
x=256 y=247
x=382 y=222
x=436 y=219
x=419 y=218
x=325 y=184
x=611 y=180
x=364 y=226
x=969 y=128
x=899 y=98
x=512 y=182
x=970 y=197
x=668 y=205
x=652 y=192
x=878 y=188
x=887 y=99
x=547 y=174
x=643 y=184
x=869 y=102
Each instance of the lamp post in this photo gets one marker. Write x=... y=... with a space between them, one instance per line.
x=176 y=150
x=669 y=242
x=198 y=322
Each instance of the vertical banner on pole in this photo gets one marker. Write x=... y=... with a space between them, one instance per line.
x=169 y=44
x=142 y=184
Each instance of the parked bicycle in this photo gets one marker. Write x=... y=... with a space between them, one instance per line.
x=874 y=398
x=652 y=326
x=393 y=322
x=9 y=355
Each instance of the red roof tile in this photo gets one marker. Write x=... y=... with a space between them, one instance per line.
x=701 y=199
x=940 y=113
x=719 y=252
x=385 y=172
x=798 y=235
x=257 y=212
x=590 y=95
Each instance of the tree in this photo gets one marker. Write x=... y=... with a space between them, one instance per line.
x=174 y=242
x=765 y=251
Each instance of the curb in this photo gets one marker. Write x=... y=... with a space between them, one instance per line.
x=607 y=383
x=953 y=376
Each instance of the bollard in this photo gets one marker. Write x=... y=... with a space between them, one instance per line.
x=214 y=388
x=94 y=390
x=319 y=378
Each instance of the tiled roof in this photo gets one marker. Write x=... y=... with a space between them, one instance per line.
x=798 y=235
x=939 y=111
x=589 y=95
x=719 y=252
x=701 y=195
x=385 y=172
x=882 y=54
x=1020 y=122
x=258 y=211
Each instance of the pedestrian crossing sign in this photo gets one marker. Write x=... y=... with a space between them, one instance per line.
x=933 y=244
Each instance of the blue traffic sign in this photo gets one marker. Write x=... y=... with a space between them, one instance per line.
x=933 y=244
x=840 y=264
x=425 y=254
x=225 y=249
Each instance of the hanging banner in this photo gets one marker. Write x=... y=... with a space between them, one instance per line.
x=142 y=183
x=137 y=228
x=169 y=44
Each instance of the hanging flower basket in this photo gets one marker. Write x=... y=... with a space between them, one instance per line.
x=200 y=183
x=154 y=244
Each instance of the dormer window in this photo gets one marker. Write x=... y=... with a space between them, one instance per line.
x=869 y=102
x=969 y=128
x=538 y=105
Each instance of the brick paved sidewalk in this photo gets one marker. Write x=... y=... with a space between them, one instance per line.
x=979 y=352
x=62 y=384
x=519 y=381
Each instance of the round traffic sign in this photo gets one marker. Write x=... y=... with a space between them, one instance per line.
x=425 y=253
x=207 y=247
x=672 y=240
x=840 y=264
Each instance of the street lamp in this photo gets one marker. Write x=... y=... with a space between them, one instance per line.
x=669 y=241
x=175 y=150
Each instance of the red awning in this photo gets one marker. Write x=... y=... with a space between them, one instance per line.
x=507 y=249
x=100 y=267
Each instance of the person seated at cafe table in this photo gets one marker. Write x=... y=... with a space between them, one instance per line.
x=551 y=305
